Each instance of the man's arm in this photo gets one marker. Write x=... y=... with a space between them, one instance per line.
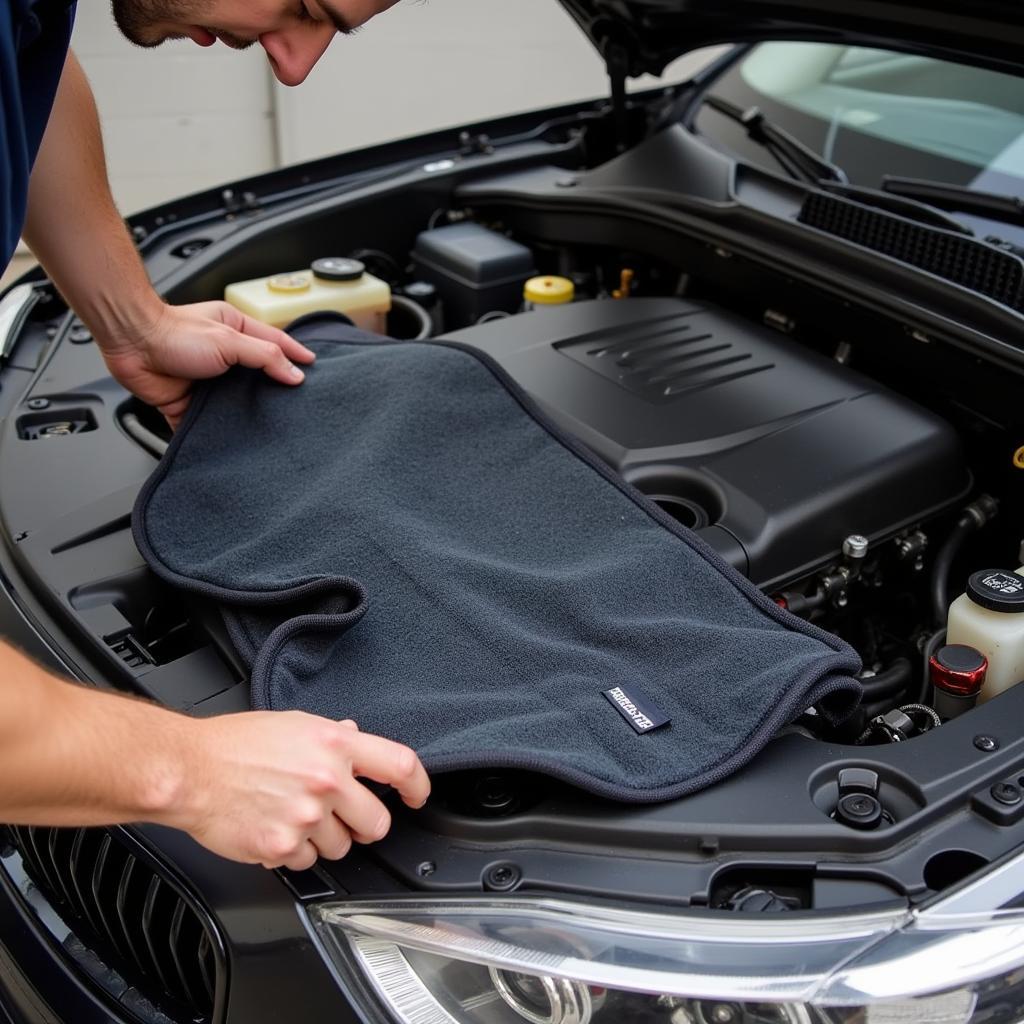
x=75 y=231
x=273 y=788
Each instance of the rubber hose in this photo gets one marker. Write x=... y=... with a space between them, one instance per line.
x=142 y=435
x=415 y=310
x=876 y=708
x=965 y=526
x=888 y=682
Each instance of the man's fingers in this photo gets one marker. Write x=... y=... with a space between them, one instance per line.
x=288 y=345
x=374 y=757
x=302 y=858
x=366 y=817
x=266 y=356
x=331 y=838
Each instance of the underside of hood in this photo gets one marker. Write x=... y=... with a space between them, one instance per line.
x=644 y=36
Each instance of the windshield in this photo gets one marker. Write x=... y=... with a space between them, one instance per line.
x=878 y=112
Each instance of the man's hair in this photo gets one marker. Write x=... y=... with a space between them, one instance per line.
x=136 y=18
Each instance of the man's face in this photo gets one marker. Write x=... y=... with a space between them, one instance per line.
x=294 y=33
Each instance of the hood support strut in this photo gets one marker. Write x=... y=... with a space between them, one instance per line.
x=616 y=59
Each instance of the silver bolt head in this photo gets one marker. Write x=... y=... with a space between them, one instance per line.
x=855 y=546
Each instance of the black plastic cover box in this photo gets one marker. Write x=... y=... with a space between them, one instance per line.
x=474 y=269
x=773 y=453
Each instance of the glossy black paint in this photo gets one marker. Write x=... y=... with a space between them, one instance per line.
x=74 y=571
x=646 y=35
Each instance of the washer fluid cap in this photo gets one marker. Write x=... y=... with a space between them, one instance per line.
x=549 y=290
x=997 y=590
x=338 y=268
x=290 y=284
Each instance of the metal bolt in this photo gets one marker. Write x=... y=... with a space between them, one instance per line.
x=986 y=743
x=855 y=546
x=1006 y=793
x=723 y=1014
x=426 y=869
x=38 y=403
x=565 y=182
x=79 y=335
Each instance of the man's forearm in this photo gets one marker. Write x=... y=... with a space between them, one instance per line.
x=70 y=755
x=264 y=787
x=73 y=226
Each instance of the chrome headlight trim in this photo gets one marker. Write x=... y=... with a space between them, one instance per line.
x=702 y=955
x=941 y=953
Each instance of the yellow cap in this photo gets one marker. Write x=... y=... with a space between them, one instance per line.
x=549 y=290
x=290 y=283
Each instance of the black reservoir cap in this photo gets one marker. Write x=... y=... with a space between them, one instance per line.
x=337 y=268
x=997 y=590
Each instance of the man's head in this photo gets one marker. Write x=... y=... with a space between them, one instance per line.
x=294 y=33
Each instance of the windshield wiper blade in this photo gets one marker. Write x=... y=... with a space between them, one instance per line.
x=798 y=160
x=1006 y=209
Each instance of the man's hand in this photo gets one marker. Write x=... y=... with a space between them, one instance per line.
x=186 y=343
x=281 y=788
x=277 y=788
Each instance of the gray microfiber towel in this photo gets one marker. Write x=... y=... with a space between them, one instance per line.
x=407 y=541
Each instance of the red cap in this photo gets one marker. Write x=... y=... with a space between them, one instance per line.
x=958 y=670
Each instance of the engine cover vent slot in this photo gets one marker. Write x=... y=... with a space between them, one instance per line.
x=666 y=357
x=964 y=261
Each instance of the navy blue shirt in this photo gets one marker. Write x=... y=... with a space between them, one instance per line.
x=34 y=38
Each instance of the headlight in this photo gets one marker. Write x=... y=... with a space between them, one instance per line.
x=494 y=961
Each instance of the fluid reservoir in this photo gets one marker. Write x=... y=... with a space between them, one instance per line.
x=990 y=618
x=333 y=283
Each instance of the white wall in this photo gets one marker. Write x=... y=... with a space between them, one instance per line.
x=177 y=118
x=181 y=118
x=422 y=66
x=429 y=64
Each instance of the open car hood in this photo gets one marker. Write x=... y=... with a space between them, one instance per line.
x=643 y=36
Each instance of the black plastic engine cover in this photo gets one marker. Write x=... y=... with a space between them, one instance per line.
x=772 y=453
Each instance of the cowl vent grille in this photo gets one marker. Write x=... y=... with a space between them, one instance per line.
x=957 y=258
x=127 y=913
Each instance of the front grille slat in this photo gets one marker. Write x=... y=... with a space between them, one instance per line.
x=151 y=913
x=108 y=867
x=129 y=907
x=129 y=914
x=39 y=861
x=58 y=848
x=178 y=924
x=83 y=857
x=207 y=965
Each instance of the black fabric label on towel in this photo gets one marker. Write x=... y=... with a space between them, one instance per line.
x=636 y=709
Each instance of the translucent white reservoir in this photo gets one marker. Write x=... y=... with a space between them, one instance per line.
x=333 y=283
x=990 y=618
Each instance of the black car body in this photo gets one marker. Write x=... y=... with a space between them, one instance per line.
x=910 y=324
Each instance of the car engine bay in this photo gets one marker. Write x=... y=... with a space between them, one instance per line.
x=855 y=468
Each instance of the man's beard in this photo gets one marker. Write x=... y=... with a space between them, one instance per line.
x=137 y=19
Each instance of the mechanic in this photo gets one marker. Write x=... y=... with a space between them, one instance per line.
x=277 y=789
